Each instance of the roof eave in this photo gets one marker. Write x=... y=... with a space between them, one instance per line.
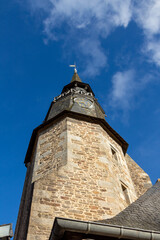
x=75 y=115
x=62 y=225
x=79 y=84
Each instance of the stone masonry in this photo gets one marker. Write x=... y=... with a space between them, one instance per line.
x=140 y=178
x=75 y=175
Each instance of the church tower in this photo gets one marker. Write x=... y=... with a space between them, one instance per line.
x=77 y=166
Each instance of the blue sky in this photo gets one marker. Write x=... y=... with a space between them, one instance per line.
x=116 y=45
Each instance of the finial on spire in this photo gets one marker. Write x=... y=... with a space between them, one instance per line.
x=75 y=68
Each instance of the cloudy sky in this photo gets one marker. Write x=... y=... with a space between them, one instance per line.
x=116 y=45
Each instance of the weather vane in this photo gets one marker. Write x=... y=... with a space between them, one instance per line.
x=75 y=68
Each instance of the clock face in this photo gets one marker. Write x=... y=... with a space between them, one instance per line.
x=83 y=102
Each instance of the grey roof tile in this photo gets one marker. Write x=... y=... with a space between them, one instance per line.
x=144 y=213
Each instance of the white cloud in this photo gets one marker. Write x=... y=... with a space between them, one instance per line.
x=100 y=15
x=147 y=16
x=83 y=22
x=153 y=50
x=96 y=58
x=123 y=89
x=39 y=5
x=125 y=86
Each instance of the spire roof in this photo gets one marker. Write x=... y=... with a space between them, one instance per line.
x=76 y=77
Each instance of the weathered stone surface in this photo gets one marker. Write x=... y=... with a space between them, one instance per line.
x=140 y=178
x=76 y=176
x=51 y=150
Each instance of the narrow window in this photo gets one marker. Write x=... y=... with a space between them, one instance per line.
x=114 y=154
x=125 y=193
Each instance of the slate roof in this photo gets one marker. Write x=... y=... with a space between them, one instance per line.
x=144 y=213
x=76 y=78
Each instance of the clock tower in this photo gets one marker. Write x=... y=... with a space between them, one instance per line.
x=76 y=97
x=77 y=166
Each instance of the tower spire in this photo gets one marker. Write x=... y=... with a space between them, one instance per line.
x=75 y=75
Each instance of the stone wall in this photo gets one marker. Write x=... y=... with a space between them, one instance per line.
x=140 y=178
x=25 y=206
x=76 y=176
x=51 y=150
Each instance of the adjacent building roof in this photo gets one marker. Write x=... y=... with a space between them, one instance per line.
x=6 y=231
x=144 y=213
x=66 y=229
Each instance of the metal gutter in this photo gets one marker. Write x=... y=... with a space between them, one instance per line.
x=62 y=224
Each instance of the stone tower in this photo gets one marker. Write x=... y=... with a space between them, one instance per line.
x=76 y=166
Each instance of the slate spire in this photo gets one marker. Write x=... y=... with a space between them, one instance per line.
x=75 y=75
x=76 y=78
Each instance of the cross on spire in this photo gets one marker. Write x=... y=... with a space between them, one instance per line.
x=74 y=66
